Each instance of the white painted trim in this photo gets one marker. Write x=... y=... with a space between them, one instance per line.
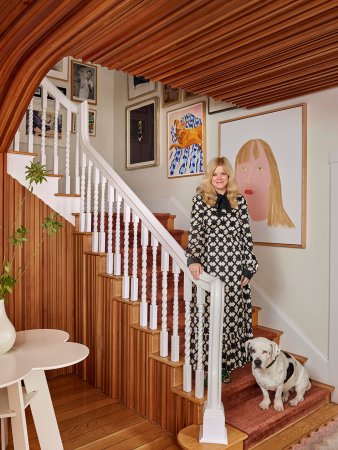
x=333 y=293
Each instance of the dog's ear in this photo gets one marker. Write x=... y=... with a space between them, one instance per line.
x=275 y=350
x=247 y=347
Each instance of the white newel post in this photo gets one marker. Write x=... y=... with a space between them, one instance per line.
x=109 y=260
x=77 y=154
x=213 y=429
x=56 y=137
x=175 y=339
x=83 y=193
x=126 y=279
x=17 y=143
x=134 y=279
x=30 y=127
x=187 y=366
x=117 y=254
x=199 y=374
x=95 y=237
x=89 y=197
x=102 y=235
x=144 y=306
x=164 y=330
x=153 y=305
x=43 y=126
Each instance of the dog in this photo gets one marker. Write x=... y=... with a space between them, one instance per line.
x=186 y=136
x=275 y=370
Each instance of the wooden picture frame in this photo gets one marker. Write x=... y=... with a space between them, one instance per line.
x=59 y=70
x=139 y=86
x=186 y=141
x=217 y=106
x=142 y=134
x=170 y=96
x=268 y=153
x=83 y=82
x=189 y=96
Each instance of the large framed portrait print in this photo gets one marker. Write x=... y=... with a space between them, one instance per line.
x=268 y=153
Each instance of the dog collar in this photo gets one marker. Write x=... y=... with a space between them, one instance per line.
x=271 y=363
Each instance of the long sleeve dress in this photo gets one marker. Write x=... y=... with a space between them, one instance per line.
x=220 y=240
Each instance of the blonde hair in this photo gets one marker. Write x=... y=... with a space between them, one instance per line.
x=276 y=212
x=207 y=190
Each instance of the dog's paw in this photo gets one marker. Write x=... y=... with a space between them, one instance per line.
x=285 y=397
x=264 y=404
x=278 y=405
x=295 y=401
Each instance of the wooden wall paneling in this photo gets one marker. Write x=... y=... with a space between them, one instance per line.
x=188 y=409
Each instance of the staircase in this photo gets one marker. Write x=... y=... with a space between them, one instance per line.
x=128 y=337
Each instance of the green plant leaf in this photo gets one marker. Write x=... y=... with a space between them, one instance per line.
x=7 y=281
x=51 y=225
x=36 y=173
x=19 y=237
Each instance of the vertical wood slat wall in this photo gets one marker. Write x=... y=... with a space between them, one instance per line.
x=44 y=297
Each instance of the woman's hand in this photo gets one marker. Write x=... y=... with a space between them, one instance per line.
x=196 y=270
x=244 y=281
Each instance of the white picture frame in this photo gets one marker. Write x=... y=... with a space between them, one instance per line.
x=139 y=86
x=60 y=70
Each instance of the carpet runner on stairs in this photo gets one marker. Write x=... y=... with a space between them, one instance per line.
x=241 y=400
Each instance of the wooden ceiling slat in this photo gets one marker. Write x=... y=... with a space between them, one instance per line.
x=265 y=42
x=175 y=32
x=236 y=28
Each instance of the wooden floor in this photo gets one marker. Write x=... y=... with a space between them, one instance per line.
x=89 y=420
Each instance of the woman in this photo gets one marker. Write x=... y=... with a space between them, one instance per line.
x=220 y=243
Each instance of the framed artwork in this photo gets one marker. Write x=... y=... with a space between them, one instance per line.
x=138 y=86
x=91 y=123
x=268 y=153
x=189 y=95
x=186 y=141
x=50 y=124
x=170 y=96
x=38 y=92
x=83 y=82
x=217 y=106
x=142 y=133
x=60 y=70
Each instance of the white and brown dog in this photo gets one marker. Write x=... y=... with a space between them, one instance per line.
x=275 y=370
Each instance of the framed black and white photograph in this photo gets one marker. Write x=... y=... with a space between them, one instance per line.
x=83 y=82
x=170 y=96
x=60 y=70
x=217 y=106
x=139 y=85
x=142 y=134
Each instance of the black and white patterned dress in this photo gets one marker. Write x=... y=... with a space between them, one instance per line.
x=221 y=241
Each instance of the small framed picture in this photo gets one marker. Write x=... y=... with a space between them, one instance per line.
x=83 y=82
x=138 y=86
x=91 y=123
x=170 y=96
x=217 y=106
x=142 y=146
x=60 y=70
x=38 y=92
x=189 y=95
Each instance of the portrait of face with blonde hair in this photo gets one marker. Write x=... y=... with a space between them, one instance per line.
x=258 y=180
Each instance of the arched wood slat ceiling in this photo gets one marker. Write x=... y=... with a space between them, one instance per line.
x=248 y=52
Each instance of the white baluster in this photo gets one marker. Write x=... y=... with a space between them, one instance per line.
x=17 y=141
x=109 y=261
x=95 y=238
x=134 y=279
x=43 y=126
x=56 y=138
x=30 y=127
x=125 y=280
x=175 y=339
x=187 y=366
x=144 y=306
x=67 y=171
x=117 y=254
x=164 y=327
x=102 y=236
x=77 y=154
x=199 y=375
x=153 y=305
x=83 y=193
x=89 y=197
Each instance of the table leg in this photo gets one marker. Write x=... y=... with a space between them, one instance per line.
x=43 y=412
x=19 y=426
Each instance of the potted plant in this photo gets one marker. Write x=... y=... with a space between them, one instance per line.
x=35 y=174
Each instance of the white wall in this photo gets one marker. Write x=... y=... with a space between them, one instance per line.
x=295 y=280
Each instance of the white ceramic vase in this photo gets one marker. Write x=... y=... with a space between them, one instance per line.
x=7 y=331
